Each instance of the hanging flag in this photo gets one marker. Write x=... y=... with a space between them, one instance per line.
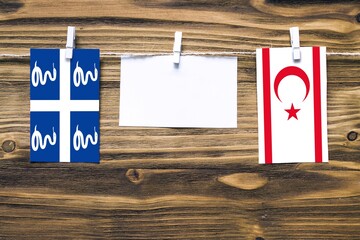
x=64 y=106
x=292 y=119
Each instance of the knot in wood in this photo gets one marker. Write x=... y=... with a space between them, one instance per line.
x=135 y=176
x=358 y=18
x=8 y=146
x=244 y=181
x=352 y=136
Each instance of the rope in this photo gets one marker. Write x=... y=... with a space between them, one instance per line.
x=127 y=54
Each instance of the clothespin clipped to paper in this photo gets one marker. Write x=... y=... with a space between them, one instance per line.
x=70 y=42
x=295 y=43
x=177 y=47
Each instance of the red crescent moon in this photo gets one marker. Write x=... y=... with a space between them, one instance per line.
x=291 y=71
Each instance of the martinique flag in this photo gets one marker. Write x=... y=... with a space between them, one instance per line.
x=64 y=106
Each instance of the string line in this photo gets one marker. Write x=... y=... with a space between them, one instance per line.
x=146 y=54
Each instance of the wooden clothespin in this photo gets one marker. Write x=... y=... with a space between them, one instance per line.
x=295 y=43
x=70 y=42
x=177 y=47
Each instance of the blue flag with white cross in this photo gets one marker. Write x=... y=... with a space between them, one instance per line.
x=64 y=106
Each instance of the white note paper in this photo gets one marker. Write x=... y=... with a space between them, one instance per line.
x=199 y=92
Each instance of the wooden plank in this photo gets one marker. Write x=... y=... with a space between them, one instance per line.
x=187 y=147
x=102 y=200
x=180 y=183
x=215 y=25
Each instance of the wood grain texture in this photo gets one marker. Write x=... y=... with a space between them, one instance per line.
x=168 y=183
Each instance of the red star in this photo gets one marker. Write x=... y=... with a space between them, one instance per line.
x=292 y=112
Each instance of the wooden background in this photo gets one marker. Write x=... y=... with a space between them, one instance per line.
x=180 y=183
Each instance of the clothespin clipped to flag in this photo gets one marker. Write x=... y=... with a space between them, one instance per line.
x=295 y=43
x=177 y=47
x=70 y=42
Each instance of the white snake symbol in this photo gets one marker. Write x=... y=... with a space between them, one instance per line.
x=78 y=76
x=80 y=141
x=37 y=140
x=37 y=75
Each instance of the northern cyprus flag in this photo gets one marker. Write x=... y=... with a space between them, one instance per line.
x=291 y=97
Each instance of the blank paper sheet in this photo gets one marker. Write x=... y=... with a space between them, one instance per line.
x=200 y=92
